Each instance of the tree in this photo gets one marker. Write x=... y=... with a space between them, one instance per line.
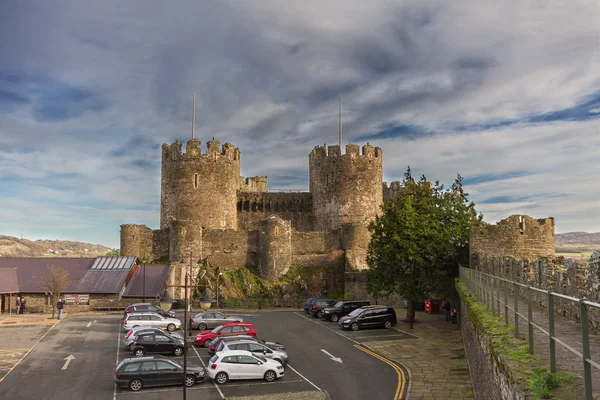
x=416 y=240
x=55 y=282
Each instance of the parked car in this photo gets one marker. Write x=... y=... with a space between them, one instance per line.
x=368 y=317
x=309 y=303
x=137 y=373
x=151 y=343
x=212 y=349
x=231 y=329
x=211 y=320
x=241 y=364
x=133 y=332
x=342 y=308
x=148 y=307
x=317 y=306
x=150 y=319
x=255 y=348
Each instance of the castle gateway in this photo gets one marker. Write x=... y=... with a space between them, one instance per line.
x=208 y=211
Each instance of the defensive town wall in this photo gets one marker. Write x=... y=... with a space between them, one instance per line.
x=253 y=208
x=345 y=188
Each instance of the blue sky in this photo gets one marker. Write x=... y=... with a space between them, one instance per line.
x=505 y=93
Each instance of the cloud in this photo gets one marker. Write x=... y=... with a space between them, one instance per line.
x=507 y=94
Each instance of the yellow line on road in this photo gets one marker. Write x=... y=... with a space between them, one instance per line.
x=400 y=391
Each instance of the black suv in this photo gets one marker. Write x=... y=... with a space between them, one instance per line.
x=141 y=307
x=369 y=317
x=150 y=342
x=137 y=373
x=342 y=308
x=316 y=308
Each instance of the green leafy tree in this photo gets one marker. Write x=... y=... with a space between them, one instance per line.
x=417 y=239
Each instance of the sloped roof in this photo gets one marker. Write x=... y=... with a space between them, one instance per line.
x=31 y=271
x=156 y=276
x=8 y=280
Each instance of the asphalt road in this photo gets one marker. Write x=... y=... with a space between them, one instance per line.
x=312 y=345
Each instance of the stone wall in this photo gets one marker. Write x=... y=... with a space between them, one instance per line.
x=393 y=190
x=136 y=240
x=569 y=277
x=230 y=249
x=253 y=184
x=315 y=242
x=252 y=208
x=491 y=378
x=515 y=236
x=161 y=242
x=355 y=240
x=275 y=243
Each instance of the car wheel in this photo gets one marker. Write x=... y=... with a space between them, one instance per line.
x=136 y=385
x=131 y=347
x=190 y=380
x=334 y=317
x=202 y=326
x=139 y=353
x=221 y=378
x=178 y=351
x=171 y=327
x=270 y=376
x=207 y=343
x=320 y=314
x=387 y=325
x=354 y=326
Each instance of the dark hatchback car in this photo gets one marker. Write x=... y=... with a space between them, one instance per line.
x=369 y=317
x=137 y=373
x=156 y=343
x=342 y=308
x=141 y=307
x=212 y=349
x=317 y=306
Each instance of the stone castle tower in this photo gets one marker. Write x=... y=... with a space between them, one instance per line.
x=209 y=211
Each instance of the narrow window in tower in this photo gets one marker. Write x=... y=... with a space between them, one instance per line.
x=195 y=181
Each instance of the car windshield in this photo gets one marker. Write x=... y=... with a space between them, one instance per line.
x=261 y=358
x=216 y=330
x=339 y=304
x=356 y=312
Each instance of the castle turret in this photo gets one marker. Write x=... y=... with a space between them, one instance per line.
x=200 y=187
x=346 y=188
x=275 y=242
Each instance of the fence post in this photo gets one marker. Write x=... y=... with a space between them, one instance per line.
x=491 y=288
x=551 y=332
x=585 y=350
x=516 y=307
x=530 y=319
x=506 y=303
x=487 y=292
x=498 y=296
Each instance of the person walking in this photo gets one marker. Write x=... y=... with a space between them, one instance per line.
x=454 y=315
x=60 y=306
x=447 y=309
x=23 y=304
x=18 y=305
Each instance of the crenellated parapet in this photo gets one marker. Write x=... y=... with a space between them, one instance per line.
x=256 y=184
x=193 y=151
x=346 y=188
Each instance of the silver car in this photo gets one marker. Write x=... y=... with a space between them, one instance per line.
x=150 y=319
x=133 y=333
x=255 y=348
x=212 y=319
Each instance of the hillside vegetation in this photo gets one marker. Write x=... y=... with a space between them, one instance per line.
x=15 y=247
x=577 y=244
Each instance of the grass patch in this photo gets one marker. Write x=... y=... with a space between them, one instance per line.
x=542 y=383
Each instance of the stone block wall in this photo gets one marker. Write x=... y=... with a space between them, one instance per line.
x=253 y=208
x=136 y=240
x=275 y=242
x=230 y=249
x=161 y=241
x=315 y=242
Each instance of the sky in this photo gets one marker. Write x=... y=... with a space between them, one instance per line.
x=505 y=93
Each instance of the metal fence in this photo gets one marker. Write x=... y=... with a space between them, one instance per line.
x=259 y=303
x=493 y=291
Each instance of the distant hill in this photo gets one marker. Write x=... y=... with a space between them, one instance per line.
x=577 y=244
x=15 y=247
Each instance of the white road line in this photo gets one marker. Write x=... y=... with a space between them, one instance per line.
x=303 y=377
x=117 y=362
x=206 y=368
x=29 y=351
x=326 y=327
x=378 y=336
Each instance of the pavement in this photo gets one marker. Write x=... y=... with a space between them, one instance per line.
x=27 y=319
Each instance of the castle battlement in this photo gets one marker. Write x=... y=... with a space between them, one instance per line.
x=193 y=151
x=352 y=150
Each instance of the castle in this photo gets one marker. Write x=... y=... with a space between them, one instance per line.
x=208 y=211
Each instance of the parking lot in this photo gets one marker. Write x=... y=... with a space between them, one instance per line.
x=76 y=359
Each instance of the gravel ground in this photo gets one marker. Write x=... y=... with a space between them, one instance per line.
x=312 y=395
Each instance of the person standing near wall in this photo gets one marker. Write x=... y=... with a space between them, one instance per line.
x=23 y=303
x=446 y=309
x=18 y=305
x=59 y=306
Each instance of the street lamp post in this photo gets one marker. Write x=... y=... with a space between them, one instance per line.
x=144 y=283
x=218 y=276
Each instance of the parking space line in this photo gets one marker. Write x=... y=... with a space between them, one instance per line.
x=174 y=389
x=303 y=377
x=29 y=351
x=206 y=368
x=401 y=377
x=117 y=362
x=326 y=327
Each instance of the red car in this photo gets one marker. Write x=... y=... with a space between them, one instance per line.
x=235 y=328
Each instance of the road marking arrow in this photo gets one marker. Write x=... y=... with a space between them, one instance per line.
x=332 y=357
x=68 y=361
x=90 y=323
